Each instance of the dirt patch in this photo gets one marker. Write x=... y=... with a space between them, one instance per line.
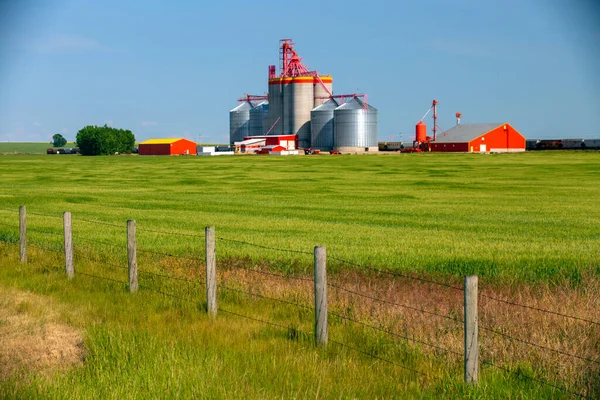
x=32 y=338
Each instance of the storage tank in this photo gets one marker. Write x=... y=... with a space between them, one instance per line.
x=355 y=127
x=320 y=90
x=321 y=125
x=298 y=100
x=275 y=106
x=239 y=122
x=421 y=132
x=257 y=116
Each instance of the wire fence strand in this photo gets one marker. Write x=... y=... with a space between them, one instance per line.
x=395 y=334
x=511 y=303
x=538 y=380
x=265 y=247
x=396 y=274
x=378 y=357
x=266 y=297
x=275 y=274
x=395 y=304
x=539 y=346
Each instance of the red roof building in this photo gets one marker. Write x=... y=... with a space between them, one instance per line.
x=480 y=138
x=167 y=147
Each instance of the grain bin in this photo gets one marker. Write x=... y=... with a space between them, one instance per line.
x=257 y=117
x=355 y=127
x=320 y=91
x=239 y=122
x=321 y=125
x=275 y=106
x=298 y=99
x=421 y=132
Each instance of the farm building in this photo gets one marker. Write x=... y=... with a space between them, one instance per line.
x=480 y=138
x=254 y=143
x=167 y=147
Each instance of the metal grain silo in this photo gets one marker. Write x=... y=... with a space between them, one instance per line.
x=355 y=127
x=257 y=116
x=275 y=106
x=239 y=122
x=298 y=99
x=321 y=125
x=320 y=90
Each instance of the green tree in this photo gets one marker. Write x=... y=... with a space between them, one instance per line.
x=104 y=140
x=58 y=140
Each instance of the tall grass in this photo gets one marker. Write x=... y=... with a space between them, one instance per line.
x=510 y=218
x=146 y=345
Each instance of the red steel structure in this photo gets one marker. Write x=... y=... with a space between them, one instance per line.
x=167 y=147
x=480 y=138
x=250 y=98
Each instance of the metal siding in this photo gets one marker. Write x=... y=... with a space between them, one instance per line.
x=355 y=126
x=275 y=106
x=321 y=125
x=298 y=98
x=181 y=146
x=257 y=116
x=319 y=91
x=465 y=132
x=498 y=138
x=239 y=122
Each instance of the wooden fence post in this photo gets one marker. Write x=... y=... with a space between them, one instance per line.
x=69 y=269
x=23 y=233
x=132 y=256
x=471 y=331
x=320 y=295
x=211 y=271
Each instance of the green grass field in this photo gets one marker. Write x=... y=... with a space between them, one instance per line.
x=27 y=147
x=520 y=217
x=525 y=223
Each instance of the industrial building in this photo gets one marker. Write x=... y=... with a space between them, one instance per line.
x=167 y=147
x=480 y=138
x=301 y=103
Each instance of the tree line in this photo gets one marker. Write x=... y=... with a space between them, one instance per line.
x=104 y=140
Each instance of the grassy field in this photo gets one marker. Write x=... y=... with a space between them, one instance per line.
x=525 y=223
x=27 y=147
x=521 y=217
x=106 y=343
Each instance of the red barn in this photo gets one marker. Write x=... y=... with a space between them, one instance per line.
x=167 y=147
x=480 y=138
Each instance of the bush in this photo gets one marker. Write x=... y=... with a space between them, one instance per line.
x=104 y=140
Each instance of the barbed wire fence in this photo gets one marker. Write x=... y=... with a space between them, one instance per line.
x=181 y=275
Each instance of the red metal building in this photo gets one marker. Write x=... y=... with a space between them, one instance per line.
x=167 y=147
x=290 y=142
x=480 y=138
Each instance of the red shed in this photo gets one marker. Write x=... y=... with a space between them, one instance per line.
x=480 y=138
x=167 y=147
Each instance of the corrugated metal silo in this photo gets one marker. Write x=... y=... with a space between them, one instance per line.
x=257 y=116
x=355 y=127
x=321 y=125
x=300 y=102
x=275 y=106
x=320 y=90
x=239 y=122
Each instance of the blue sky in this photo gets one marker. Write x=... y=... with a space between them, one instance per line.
x=175 y=69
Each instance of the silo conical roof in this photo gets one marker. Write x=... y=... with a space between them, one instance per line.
x=245 y=106
x=330 y=104
x=355 y=104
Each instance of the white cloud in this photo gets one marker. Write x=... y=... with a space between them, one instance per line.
x=149 y=123
x=37 y=124
x=68 y=44
x=64 y=130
